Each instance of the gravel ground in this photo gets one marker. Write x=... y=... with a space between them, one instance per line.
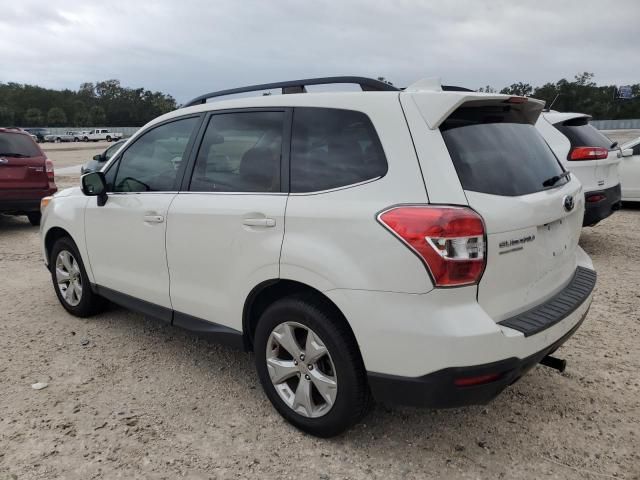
x=130 y=398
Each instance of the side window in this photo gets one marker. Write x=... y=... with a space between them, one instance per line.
x=240 y=152
x=333 y=148
x=151 y=163
x=636 y=149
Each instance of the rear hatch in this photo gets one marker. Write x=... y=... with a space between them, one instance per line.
x=22 y=163
x=531 y=208
x=582 y=134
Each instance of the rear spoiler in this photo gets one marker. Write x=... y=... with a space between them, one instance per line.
x=436 y=108
x=436 y=102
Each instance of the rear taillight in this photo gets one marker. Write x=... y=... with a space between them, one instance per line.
x=49 y=169
x=449 y=240
x=588 y=153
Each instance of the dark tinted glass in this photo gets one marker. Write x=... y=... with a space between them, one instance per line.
x=18 y=145
x=581 y=134
x=240 y=152
x=333 y=148
x=151 y=163
x=490 y=156
x=636 y=149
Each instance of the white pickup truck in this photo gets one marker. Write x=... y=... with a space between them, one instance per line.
x=98 y=134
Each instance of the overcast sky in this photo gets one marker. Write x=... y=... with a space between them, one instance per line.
x=189 y=47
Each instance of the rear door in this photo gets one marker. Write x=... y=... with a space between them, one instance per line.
x=22 y=163
x=532 y=213
x=225 y=228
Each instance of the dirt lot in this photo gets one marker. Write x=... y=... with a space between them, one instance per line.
x=130 y=398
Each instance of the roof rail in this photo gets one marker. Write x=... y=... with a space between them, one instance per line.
x=298 y=86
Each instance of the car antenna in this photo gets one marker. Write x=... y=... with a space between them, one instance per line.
x=548 y=109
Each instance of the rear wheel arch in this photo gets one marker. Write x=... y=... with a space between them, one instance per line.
x=270 y=291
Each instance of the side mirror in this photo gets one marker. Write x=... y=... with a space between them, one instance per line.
x=99 y=158
x=95 y=185
x=627 y=152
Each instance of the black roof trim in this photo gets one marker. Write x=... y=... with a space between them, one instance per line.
x=298 y=86
x=453 y=88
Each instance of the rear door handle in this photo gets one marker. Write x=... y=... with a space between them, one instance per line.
x=153 y=218
x=259 y=222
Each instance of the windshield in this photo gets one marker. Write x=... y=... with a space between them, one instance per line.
x=495 y=151
x=18 y=144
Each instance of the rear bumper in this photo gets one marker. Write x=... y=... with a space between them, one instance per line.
x=22 y=201
x=549 y=325
x=439 y=389
x=601 y=209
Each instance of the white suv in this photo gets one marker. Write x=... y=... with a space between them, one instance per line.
x=419 y=247
x=590 y=156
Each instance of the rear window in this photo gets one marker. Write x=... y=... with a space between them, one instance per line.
x=581 y=134
x=18 y=145
x=333 y=148
x=495 y=150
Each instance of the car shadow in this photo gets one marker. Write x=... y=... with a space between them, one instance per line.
x=15 y=223
x=471 y=432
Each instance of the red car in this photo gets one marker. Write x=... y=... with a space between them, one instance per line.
x=26 y=175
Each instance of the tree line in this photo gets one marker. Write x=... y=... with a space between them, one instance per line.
x=92 y=105
x=580 y=95
x=109 y=103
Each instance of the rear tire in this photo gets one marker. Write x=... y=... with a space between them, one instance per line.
x=85 y=139
x=338 y=372
x=70 y=280
x=34 y=218
x=108 y=138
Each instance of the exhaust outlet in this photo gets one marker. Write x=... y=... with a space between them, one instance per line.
x=555 y=363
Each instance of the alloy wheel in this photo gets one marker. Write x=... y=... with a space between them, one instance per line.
x=69 y=278
x=301 y=369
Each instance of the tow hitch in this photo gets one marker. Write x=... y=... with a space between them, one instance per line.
x=555 y=363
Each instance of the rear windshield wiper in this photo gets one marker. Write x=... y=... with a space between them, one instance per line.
x=13 y=154
x=613 y=145
x=550 y=182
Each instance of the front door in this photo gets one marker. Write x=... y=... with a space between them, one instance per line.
x=224 y=233
x=126 y=236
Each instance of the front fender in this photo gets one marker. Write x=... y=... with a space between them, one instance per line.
x=66 y=211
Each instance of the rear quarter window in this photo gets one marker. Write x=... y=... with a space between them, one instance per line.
x=495 y=150
x=332 y=148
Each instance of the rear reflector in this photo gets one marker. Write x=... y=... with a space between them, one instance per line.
x=588 y=153
x=477 y=380
x=596 y=197
x=449 y=240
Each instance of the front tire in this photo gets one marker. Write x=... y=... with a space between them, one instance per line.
x=70 y=280
x=310 y=367
x=108 y=138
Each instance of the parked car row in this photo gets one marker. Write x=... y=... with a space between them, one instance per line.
x=42 y=135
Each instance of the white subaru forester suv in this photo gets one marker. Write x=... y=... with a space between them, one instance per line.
x=417 y=247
